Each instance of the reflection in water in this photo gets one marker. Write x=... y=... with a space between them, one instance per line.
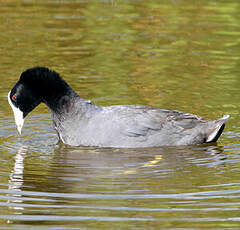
x=16 y=181
x=86 y=168
x=119 y=185
x=17 y=178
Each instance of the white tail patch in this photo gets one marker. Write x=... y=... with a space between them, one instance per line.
x=217 y=128
x=212 y=136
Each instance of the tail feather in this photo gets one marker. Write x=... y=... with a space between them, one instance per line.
x=216 y=129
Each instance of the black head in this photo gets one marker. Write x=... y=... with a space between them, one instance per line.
x=36 y=85
x=24 y=98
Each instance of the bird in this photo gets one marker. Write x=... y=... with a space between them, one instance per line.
x=78 y=122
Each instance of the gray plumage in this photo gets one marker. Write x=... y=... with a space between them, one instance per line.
x=81 y=123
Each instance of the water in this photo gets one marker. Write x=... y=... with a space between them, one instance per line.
x=173 y=54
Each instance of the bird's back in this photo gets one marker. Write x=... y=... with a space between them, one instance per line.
x=134 y=126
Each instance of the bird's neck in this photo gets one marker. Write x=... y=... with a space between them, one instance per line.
x=60 y=102
x=55 y=93
x=66 y=102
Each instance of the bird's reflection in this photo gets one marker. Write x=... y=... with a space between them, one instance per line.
x=98 y=167
x=16 y=176
x=84 y=170
x=16 y=181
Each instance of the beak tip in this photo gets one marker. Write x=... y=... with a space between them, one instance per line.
x=19 y=130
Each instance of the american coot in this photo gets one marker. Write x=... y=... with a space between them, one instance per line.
x=78 y=122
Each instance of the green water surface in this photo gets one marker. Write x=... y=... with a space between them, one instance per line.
x=176 y=54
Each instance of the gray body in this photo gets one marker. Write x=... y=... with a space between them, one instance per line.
x=81 y=123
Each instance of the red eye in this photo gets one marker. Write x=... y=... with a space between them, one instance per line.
x=14 y=97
